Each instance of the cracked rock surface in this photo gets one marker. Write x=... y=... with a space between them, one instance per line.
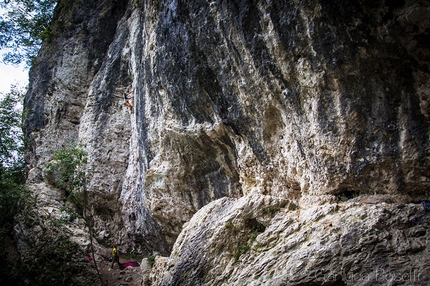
x=300 y=106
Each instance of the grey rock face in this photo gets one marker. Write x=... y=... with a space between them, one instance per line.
x=55 y=104
x=297 y=101
x=255 y=241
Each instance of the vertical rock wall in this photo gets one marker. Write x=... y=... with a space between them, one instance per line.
x=298 y=100
x=56 y=104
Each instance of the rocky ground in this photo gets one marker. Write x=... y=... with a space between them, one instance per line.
x=130 y=276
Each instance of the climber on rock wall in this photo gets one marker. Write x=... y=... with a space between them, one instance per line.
x=127 y=103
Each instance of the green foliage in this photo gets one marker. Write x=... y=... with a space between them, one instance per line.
x=23 y=27
x=271 y=210
x=11 y=156
x=242 y=249
x=252 y=229
x=228 y=225
x=69 y=162
x=47 y=35
x=11 y=135
x=11 y=191
x=12 y=175
x=245 y=247
x=53 y=261
x=252 y=235
x=151 y=259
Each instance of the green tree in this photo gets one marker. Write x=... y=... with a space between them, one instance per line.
x=68 y=170
x=11 y=157
x=53 y=258
x=12 y=173
x=23 y=27
x=11 y=136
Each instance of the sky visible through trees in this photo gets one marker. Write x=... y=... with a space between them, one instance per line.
x=11 y=74
x=22 y=25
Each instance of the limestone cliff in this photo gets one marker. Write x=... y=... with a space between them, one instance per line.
x=296 y=106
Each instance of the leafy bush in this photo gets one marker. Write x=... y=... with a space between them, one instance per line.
x=69 y=163
x=54 y=261
x=151 y=259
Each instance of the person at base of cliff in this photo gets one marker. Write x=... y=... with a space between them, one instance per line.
x=115 y=257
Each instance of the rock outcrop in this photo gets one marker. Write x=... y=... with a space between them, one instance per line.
x=289 y=105
x=255 y=241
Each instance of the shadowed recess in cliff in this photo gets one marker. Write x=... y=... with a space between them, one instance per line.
x=250 y=22
x=34 y=101
x=376 y=75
